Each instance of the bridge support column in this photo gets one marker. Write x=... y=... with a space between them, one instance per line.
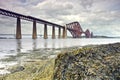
x=45 y=31
x=18 y=29
x=53 y=32
x=34 y=34
x=64 y=32
x=59 y=32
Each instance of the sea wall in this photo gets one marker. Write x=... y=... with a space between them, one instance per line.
x=100 y=62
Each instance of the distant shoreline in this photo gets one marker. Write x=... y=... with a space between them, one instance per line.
x=12 y=36
x=29 y=37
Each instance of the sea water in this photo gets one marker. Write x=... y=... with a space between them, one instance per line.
x=13 y=47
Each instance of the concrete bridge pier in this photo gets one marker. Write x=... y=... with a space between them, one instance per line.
x=18 y=29
x=64 y=32
x=59 y=32
x=53 y=32
x=45 y=31
x=34 y=34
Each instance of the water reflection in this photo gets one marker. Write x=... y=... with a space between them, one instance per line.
x=45 y=43
x=53 y=44
x=19 y=46
x=34 y=45
x=23 y=45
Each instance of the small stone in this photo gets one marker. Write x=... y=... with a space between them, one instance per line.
x=17 y=69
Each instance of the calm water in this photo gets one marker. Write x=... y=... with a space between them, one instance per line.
x=13 y=46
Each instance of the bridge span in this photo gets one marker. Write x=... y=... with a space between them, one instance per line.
x=74 y=28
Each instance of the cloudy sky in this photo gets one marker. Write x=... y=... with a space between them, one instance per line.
x=102 y=17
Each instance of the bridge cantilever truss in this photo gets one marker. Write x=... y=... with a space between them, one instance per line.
x=76 y=30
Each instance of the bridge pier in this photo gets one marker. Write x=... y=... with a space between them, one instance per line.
x=34 y=34
x=74 y=28
x=18 y=29
x=53 y=32
x=64 y=32
x=45 y=31
x=59 y=32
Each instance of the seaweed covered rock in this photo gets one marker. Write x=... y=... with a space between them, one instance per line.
x=89 y=63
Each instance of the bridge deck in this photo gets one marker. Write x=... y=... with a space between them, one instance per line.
x=28 y=18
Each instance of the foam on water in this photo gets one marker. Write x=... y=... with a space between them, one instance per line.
x=4 y=66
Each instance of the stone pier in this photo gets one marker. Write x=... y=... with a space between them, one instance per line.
x=45 y=31
x=59 y=32
x=34 y=34
x=64 y=32
x=53 y=32
x=18 y=29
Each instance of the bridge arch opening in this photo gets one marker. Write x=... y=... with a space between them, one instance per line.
x=69 y=34
x=26 y=29
x=7 y=27
x=83 y=35
x=40 y=30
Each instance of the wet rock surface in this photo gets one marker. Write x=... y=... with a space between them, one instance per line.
x=100 y=62
x=17 y=69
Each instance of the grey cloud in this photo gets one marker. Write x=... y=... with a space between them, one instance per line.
x=115 y=5
x=56 y=8
x=86 y=3
x=53 y=10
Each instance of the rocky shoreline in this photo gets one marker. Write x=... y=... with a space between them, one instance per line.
x=89 y=63
x=92 y=62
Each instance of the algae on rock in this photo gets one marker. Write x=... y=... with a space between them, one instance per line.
x=96 y=63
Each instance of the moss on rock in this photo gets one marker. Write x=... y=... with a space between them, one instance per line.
x=89 y=63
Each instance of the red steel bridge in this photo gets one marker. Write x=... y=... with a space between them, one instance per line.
x=74 y=28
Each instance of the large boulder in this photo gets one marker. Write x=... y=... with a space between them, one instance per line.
x=100 y=62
